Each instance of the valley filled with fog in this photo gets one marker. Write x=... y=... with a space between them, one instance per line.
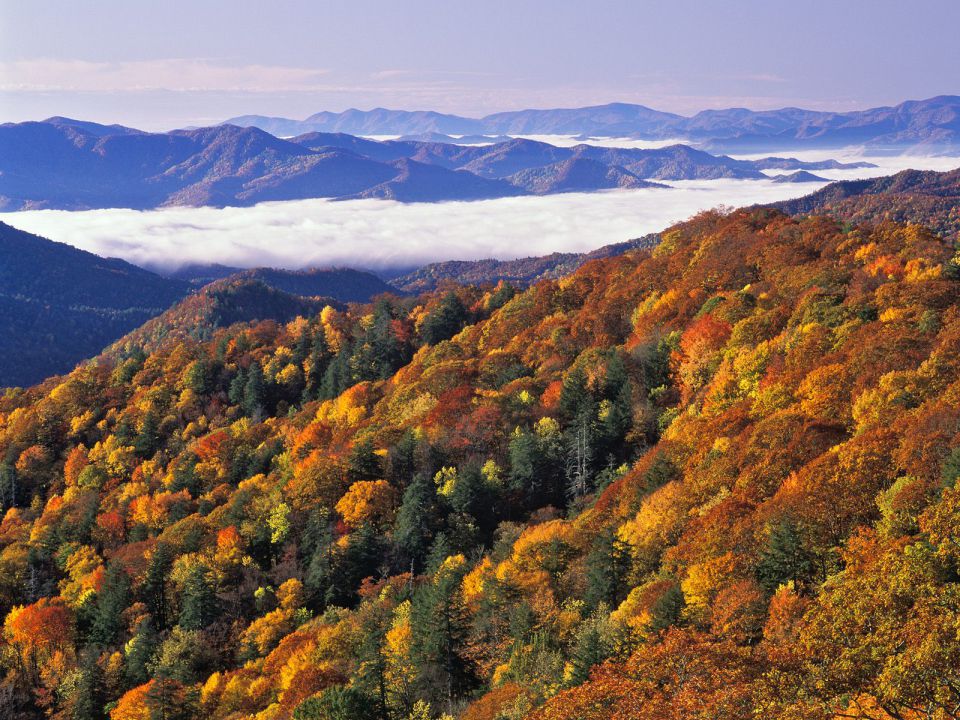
x=387 y=235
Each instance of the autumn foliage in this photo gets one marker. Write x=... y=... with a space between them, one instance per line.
x=717 y=479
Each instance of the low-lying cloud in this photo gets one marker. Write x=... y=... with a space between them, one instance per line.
x=383 y=235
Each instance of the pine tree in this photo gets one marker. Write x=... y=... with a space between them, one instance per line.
x=523 y=453
x=148 y=439
x=414 y=526
x=237 y=385
x=316 y=366
x=112 y=599
x=607 y=567
x=321 y=578
x=590 y=647
x=83 y=694
x=169 y=699
x=784 y=558
x=254 y=391
x=153 y=589
x=139 y=651
x=372 y=659
x=576 y=401
x=198 y=377
x=387 y=353
x=364 y=463
x=361 y=559
x=198 y=601
x=338 y=375
x=440 y=624
x=402 y=460
x=446 y=320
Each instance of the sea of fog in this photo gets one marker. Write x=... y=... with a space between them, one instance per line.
x=383 y=234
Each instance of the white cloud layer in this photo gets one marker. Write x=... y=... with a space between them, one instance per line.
x=384 y=234
x=380 y=234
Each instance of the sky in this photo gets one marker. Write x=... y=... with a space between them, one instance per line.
x=160 y=65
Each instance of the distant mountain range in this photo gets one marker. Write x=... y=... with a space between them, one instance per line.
x=69 y=164
x=930 y=125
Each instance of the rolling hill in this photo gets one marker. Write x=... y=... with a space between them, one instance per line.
x=924 y=198
x=518 y=273
x=74 y=165
x=577 y=175
x=243 y=299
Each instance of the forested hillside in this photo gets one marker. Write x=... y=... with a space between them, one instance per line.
x=59 y=304
x=715 y=479
x=922 y=197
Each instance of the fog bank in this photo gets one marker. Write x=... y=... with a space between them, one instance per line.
x=382 y=234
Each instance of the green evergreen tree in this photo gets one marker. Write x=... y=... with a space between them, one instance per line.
x=402 y=460
x=784 y=558
x=415 y=523
x=371 y=678
x=139 y=651
x=148 y=438
x=361 y=559
x=198 y=377
x=319 y=359
x=340 y=702
x=153 y=590
x=83 y=694
x=440 y=625
x=338 y=376
x=387 y=354
x=445 y=321
x=254 y=391
x=608 y=565
x=170 y=699
x=363 y=462
x=112 y=599
x=320 y=579
x=576 y=400
x=590 y=647
x=237 y=386
x=198 y=600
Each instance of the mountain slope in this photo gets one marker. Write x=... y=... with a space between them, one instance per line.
x=343 y=284
x=59 y=305
x=518 y=273
x=243 y=299
x=577 y=175
x=710 y=481
x=417 y=182
x=800 y=176
x=925 y=198
x=44 y=165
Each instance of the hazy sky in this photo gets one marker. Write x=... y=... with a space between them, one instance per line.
x=160 y=64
